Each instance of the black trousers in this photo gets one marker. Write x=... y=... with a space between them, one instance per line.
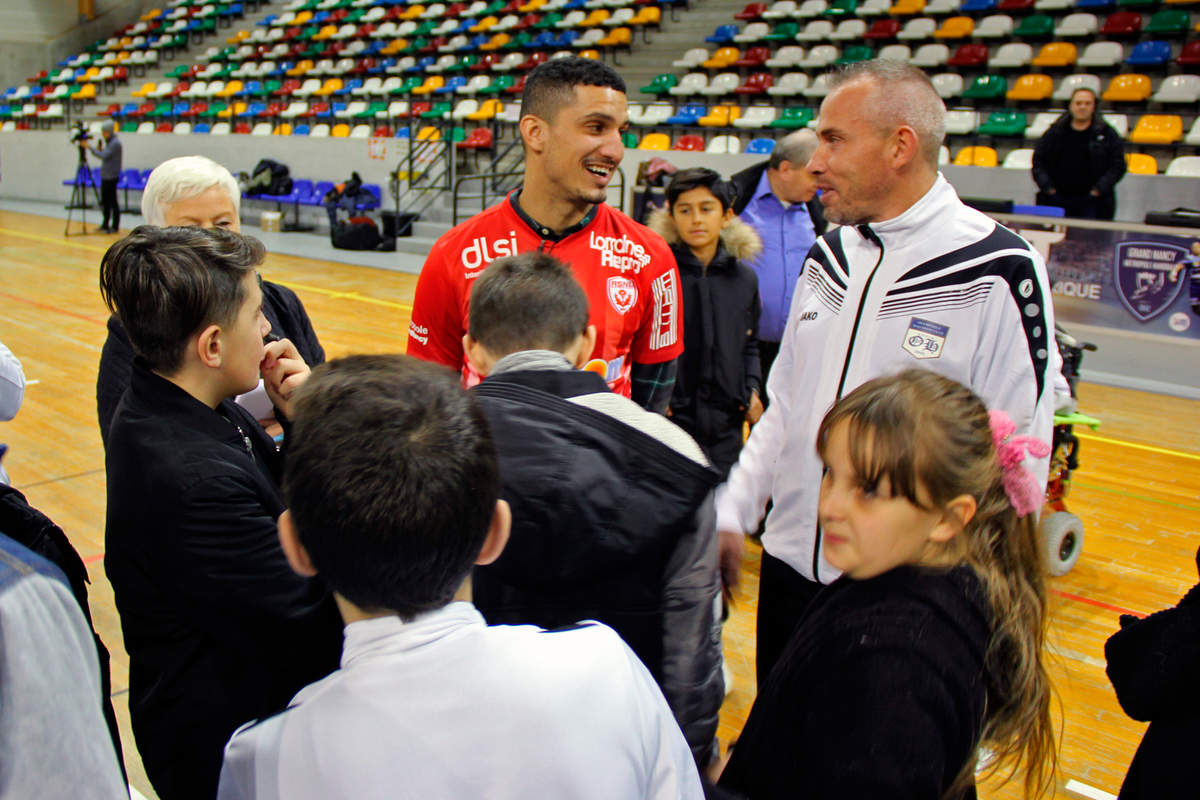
x=783 y=595
x=109 y=206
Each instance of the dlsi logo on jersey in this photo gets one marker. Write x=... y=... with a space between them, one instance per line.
x=481 y=252
x=924 y=339
x=622 y=253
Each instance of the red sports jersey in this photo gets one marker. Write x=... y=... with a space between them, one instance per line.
x=627 y=270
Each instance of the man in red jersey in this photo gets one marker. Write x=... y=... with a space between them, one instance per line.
x=573 y=112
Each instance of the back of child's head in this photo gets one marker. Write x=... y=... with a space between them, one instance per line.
x=529 y=301
x=701 y=177
x=391 y=480
x=166 y=284
x=922 y=430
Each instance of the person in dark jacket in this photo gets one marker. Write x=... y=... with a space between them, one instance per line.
x=218 y=628
x=1153 y=664
x=778 y=198
x=1079 y=160
x=194 y=190
x=109 y=152
x=612 y=504
x=718 y=379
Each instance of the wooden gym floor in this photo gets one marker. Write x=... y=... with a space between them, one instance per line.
x=1138 y=489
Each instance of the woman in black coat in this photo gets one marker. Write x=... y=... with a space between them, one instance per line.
x=1079 y=160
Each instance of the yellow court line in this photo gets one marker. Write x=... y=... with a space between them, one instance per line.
x=327 y=292
x=1149 y=448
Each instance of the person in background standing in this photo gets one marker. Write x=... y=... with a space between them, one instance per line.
x=110 y=171
x=1079 y=160
x=778 y=198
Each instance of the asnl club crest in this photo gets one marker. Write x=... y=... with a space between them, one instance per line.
x=622 y=293
x=1141 y=275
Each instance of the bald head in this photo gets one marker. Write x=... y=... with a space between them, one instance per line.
x=901 y=95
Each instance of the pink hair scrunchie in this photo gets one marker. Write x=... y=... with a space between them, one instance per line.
x=1023 y=490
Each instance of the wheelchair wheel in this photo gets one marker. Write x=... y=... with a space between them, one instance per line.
x=1062 y=541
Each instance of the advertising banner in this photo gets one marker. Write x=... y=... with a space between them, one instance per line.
x=1138 y=281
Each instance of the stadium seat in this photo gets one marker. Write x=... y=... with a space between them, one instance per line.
x=1157 y=129
x=1031 y=87
x=917 y=29
x=691 y=84
x=883 y=29
x=976 y=156
x=782 y=9
x=955 y=28
x=996 y=26
x=1036 y=26
x=753 y=58
x=939 y=8
x=721 y=58
x=849 y=30
x=1184 y=167
x=1041 y=123
x=1141 y=164
x=1056 y=55
x=756 y=117
x=896 y=52
x=724 y=144
x=689 y=142
x=760 y=146
x=1128 y=88
x=1122 y=23
x=723 y=34
x=930 y=56
x=477 y=139
x=753 y=32
x=819 y=57
x=1021 y=158
x=755 y=84
x=721 y=84
x=789 y=84
x=975 y=54
x=792 y=118
x=906 y=8
x=839 y=9
x=786 y=57
x=687 y=115
x=690 y=60
x=1154 y=53
x=1169 y=22
x=719 y=117
x=652 y=114
x=986 y=87
x=948 y=84
x=819 y=87
x=961 y=121
x=1101 y=54
x=655 y=141
x=1004 y=123
x=1077 y=25
x=854 y=54
x=1190 y=54
x=976 y=6
x=818 y=30
x=1014 y=55
x=1178 y=89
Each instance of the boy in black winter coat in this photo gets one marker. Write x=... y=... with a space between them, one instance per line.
x=718 y=384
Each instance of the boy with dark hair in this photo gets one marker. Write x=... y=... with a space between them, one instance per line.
x=573 y=112
x=718 y=379
x=612 y=503
x=218 y=628
x=393 y=491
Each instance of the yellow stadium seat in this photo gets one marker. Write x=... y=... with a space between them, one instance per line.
x=722 y=57
x=1056 y=54
x=1157 y=129
x=431 y=84
x=1031 y=87
x=282 y=129
x=903 y=8
x=1132 y=87
x=976 y=157
x=655 y=141
x=955 y=28
x=429 y=134
x=340 y=131
x=146 y=89
x=325 y=33
x=488 y=109
x=412 y=12
x=720 y=116
x=1141 y=164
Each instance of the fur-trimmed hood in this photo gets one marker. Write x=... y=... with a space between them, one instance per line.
x=739 y=239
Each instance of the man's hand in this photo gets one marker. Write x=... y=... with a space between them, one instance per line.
x=730 y=547
x=755 y=410
x=283 y=371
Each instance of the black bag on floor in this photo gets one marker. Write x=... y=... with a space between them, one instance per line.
x=269 y=177
x=359 y=233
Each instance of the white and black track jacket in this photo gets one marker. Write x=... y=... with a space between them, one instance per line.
x=943 y=287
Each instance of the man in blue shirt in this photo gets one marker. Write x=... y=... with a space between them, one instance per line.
x=778 y=199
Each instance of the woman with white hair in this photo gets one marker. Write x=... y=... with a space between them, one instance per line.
x=197 y=191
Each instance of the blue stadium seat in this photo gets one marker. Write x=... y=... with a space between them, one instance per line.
x=1154 y=53
x=761 y=146
x=687 y=115
x=723 y=34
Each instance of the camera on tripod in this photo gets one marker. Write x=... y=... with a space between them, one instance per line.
x=78 y=134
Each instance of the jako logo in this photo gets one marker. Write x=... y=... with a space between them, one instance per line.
x=808 y=316
x=481 y=252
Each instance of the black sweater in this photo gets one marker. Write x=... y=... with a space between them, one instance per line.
x=880 y=693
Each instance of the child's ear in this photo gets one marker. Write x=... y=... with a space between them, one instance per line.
x=955 y=516
x=477 y=355
x=289 y=539
x=208 y=346
x=587 y=343
x=497 y=535
x=728 y=214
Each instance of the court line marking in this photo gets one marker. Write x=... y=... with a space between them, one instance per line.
x=1137 y=446
x=1097 y=603
x=330 y=293
x=1122 y=493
